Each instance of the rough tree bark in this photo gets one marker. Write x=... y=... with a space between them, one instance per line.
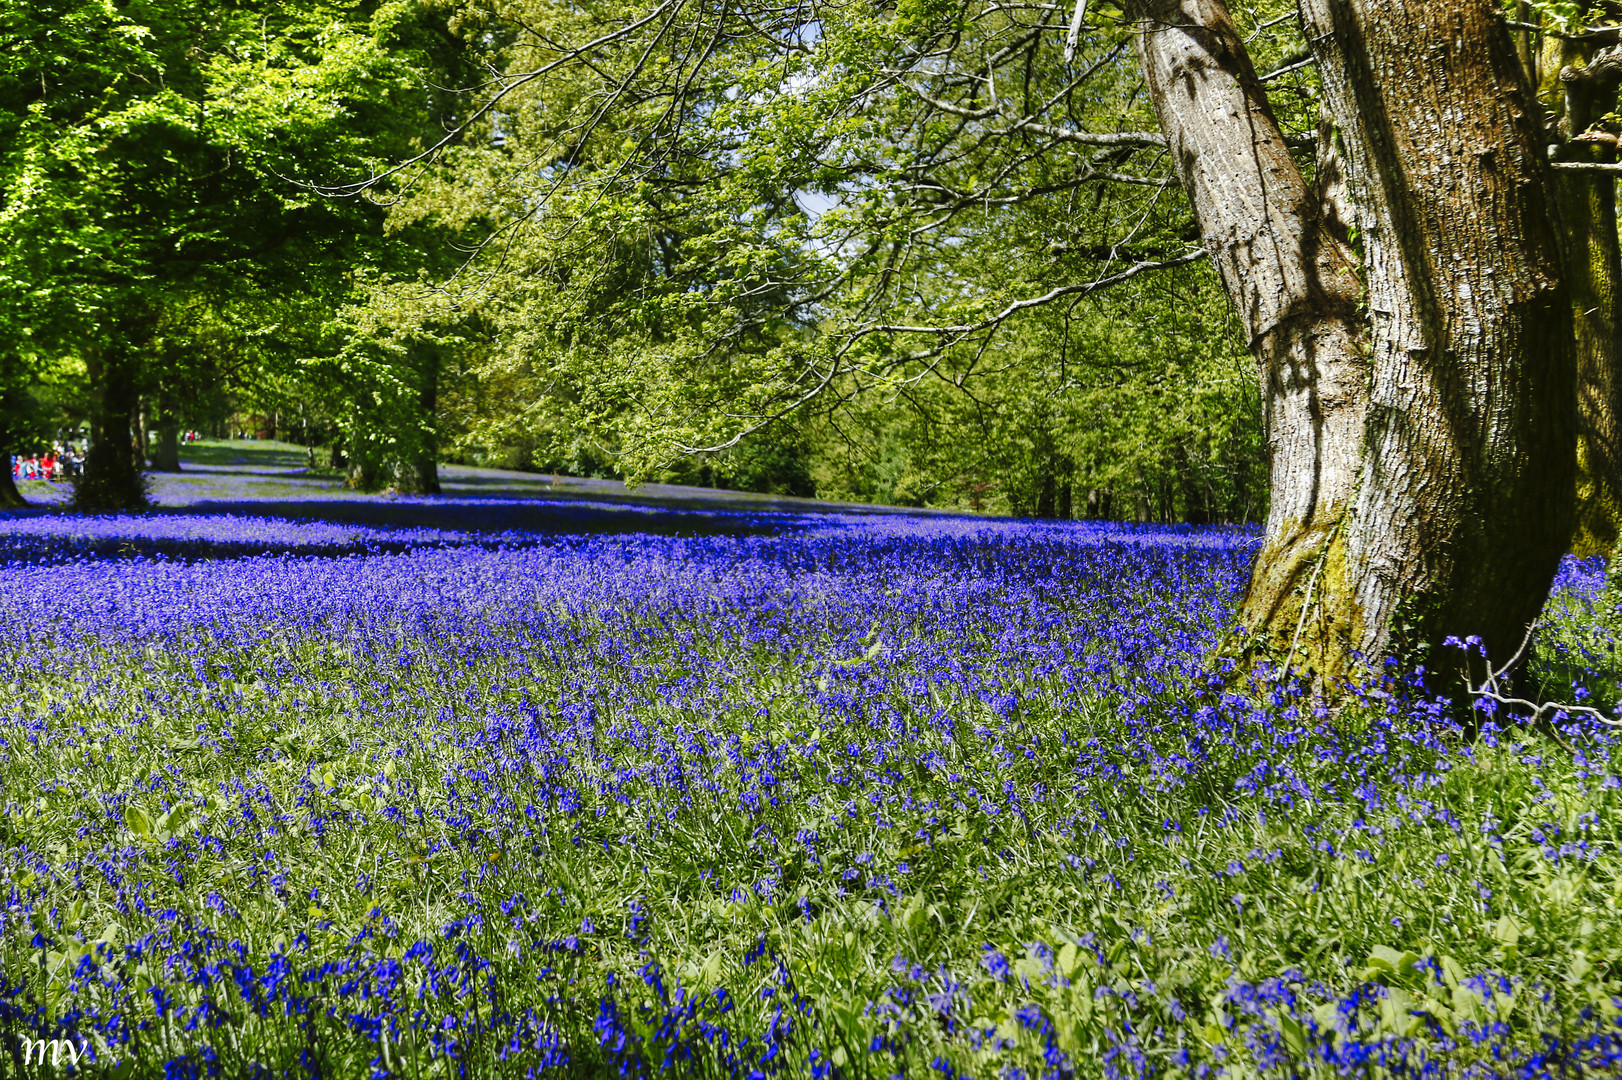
x=1420 y=399
x=1582 y=77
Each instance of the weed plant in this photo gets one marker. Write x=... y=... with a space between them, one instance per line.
x=853 y=797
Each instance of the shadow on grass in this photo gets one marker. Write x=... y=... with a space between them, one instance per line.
x=267 y=479
x=253 y=454
x=288 y=510
x=495 y=515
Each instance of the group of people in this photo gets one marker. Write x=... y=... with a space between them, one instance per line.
x=60 y=462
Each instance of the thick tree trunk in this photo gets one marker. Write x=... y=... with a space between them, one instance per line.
x=110 y=480
x=1583 y=79
x=1292 y=280
x=1421 y=449
x=1465 y=503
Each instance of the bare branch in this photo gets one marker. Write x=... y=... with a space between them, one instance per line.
x=1293 y=64
x=1490 y=691
x=1035 y=301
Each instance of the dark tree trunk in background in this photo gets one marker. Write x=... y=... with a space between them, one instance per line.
x=166 y=455
x=1046 y=492
x=365 y=472
x=1100 y=503
x=10 y=497
x=140 y=446
x=1582 y=79
x=110 y=481
x=10 y=431
x=426 y=462
x=1422 y=445
x=1196 y=506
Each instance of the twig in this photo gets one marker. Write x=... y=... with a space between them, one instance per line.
x=1306 y=606
x=1490 y=691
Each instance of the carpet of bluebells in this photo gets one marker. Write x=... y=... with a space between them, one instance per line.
x=827 y=796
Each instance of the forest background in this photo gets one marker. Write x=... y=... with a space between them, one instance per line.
x=892 y=260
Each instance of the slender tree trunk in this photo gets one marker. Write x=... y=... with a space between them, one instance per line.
x=1046 y=492
x=1421 y=449
x=1289 y=273
x=425 y=464
x=1196 y=507
x=140 y=444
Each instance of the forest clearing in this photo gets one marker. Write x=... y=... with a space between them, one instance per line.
x=939 y=539
x=767 y=792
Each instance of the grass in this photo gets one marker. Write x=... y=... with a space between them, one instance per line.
x=809 y=795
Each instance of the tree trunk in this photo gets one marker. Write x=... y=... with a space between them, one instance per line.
x=1196 y=509
x=11 y=432
x=365 y=472
x=166 y=457
x=110 y=481
x=425 y=463
x=1583 y=79
x=1421 y=449
x=1046 y=491
x=10 y=497
x=140 y=447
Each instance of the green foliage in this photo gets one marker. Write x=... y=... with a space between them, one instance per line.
x=157 y=193
x=783 y=212
x=713 y=239
x=1578 y=649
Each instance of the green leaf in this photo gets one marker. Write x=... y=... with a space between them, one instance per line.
x=1295 y=1035
x=138 y=821
x=1394 y=1014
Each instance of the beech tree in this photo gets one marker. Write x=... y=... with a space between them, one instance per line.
x=1418 y=290
x=1412 y=324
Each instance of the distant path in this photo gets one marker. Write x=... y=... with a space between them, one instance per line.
x=266 y=478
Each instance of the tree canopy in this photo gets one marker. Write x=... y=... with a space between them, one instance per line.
x=943 y=252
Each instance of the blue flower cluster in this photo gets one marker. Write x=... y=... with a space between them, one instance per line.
x=827 y=795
